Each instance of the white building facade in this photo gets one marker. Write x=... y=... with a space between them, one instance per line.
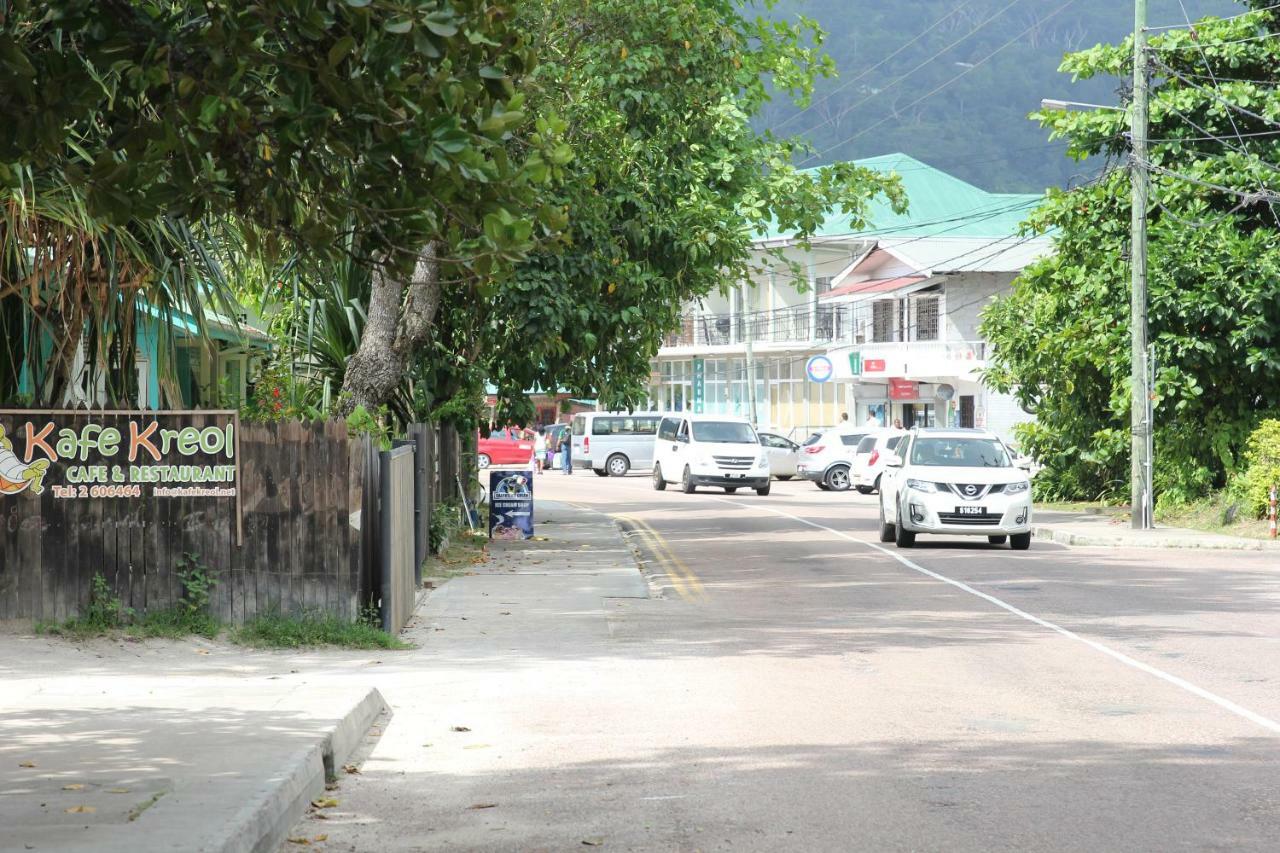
x=893 y=305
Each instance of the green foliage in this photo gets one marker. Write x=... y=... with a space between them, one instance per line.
x=1062 y=338
x=1262 y=468
x=314 y=629
x=104 y=613
x=279 y=395
x=363 y=422
x=446 y=520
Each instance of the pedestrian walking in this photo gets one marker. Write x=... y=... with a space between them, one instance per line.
x=566 y=446
x=897 y=423
x=540 y=449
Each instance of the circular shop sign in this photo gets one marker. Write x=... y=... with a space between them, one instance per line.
x=820 y=368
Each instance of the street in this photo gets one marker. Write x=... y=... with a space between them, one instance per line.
x=798 y=686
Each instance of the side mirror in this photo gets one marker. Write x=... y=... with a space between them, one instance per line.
x=892 y=460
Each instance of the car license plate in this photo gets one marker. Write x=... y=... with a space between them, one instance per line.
x=971 y=510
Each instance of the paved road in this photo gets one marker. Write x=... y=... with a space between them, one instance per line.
x=800 y=687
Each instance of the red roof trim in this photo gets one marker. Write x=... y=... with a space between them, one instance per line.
x=875 y=285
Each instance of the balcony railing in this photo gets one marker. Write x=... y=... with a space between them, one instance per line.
x=801 y=324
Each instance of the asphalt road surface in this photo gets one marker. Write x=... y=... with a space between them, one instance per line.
x=798 y=686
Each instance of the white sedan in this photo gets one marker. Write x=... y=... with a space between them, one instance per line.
x=783 y=454
x=955 y=482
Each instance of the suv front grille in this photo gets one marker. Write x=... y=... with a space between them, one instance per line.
x=972 y=491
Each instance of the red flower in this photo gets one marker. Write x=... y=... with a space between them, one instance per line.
x=275 y=392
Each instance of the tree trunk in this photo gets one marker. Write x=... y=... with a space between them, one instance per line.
x=399 y=320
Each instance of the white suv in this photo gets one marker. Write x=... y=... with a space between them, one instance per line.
x=868 y=461
x=709 y=450
x=828 y=460
x=957 y=482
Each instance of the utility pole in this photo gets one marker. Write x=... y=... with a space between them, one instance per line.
x=751 y=376
x=1140 y=400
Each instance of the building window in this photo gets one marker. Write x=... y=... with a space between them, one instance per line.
x=822 y=284
x=885 y=324
x=926 y=318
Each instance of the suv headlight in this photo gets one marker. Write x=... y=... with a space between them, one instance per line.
x=1016 y=488
x=763 y=461
x=922 y=486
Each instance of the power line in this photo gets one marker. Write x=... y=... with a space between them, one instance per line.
x=846 y=85
x=907 y=74
x=1062 y=8
x=1259 y=37
x=1191 y=27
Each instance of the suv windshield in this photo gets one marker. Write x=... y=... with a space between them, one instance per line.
x=959 y=453
x=723 y=432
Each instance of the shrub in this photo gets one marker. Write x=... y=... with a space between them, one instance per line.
x=1262 y=468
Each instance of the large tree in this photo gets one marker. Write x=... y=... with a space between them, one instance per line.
x=668 y=187
x=1061 y=339
x=377 y=129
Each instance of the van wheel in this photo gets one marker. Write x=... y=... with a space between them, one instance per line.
x=763 y=491
x=888 y=532
x=686 y=482
x=617 y=466
x=601 y=472
x=997 y=540
x=837 y=479
x=659 y=484
x=1020 y=541
x=730 y=490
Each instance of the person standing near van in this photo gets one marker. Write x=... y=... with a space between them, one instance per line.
x=566 y=452
x=540 y=448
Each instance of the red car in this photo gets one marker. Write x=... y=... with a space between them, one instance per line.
x=504 y=447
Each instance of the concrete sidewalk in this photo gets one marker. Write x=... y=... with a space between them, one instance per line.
x=1077 y=528
x=98 y=761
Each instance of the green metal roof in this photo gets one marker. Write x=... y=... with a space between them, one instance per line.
x=938 y=204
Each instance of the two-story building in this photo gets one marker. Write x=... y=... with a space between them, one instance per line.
x=903 y=293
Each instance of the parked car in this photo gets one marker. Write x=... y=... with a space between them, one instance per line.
x=828 y=460
x=709 y=450
x=612 y=443
x=503 y=447
x=784 y=455
x=957 y=482
x=868 y=459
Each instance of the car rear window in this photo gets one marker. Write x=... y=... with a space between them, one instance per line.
x=867 y=444
x=851 y=440
x=893 y=442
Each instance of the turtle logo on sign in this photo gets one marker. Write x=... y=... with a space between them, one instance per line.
x=820 y=368
x=15 y=476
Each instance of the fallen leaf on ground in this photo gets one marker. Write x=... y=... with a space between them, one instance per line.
x=117 y=790
x=299 y=840
x=77 y=786
x=428 y=744
x=350 y=768
x=202 y=651
x=325 y=803
x=505 y=613
x=81 y=810
x=483 y=806
x=320 y=838
x=461 y=729
x=477 y=746
x=26 y=764
x=593 y=841
x=319 y=816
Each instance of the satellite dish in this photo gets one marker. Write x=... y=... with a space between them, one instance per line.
x=944 y=392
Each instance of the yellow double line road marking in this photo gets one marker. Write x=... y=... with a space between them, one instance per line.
x=683 y=578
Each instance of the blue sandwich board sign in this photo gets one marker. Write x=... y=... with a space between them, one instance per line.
x=510 y=504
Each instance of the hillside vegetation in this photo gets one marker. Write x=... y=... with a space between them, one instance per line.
x=991 y=62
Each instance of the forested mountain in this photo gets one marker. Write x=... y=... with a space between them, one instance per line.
x=968 y=72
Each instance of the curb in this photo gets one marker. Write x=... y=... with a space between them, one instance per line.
x=1157 y=540
x=263 y=825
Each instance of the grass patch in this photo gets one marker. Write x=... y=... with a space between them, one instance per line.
x=1093 y=507
x=465 y=551
x=1218 y=513
x=313 y=629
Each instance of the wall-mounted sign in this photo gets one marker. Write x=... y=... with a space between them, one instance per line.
x=88 y=455
x=510 y=504
x=855 y=363
x=699 y=385
x=819 y=368
x=873 y=365
x=902 y=389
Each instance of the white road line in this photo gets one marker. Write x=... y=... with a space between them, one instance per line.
x=1252 y=716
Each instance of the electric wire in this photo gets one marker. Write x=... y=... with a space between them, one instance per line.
x=975 y=66
x=1191 y=27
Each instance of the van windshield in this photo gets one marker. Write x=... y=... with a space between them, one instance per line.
x=723 y=432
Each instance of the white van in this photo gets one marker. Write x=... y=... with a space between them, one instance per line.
x=612 y=443
x=709 y=450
